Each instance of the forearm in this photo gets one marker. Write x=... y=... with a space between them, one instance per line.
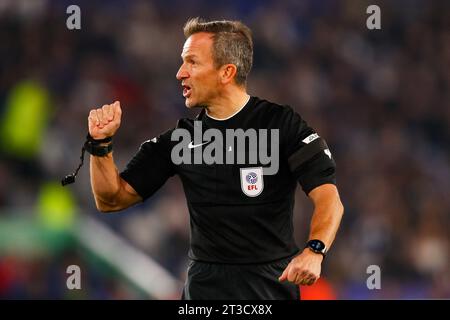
x=105 y=179
x=305 y=268
x=325 y=221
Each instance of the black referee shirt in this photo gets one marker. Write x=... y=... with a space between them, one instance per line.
x=231 y=221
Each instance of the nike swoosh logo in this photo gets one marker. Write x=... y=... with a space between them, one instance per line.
x=191 y=145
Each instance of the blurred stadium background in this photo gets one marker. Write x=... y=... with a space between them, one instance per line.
x=381 y=99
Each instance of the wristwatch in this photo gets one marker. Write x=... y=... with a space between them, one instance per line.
x=317 y=246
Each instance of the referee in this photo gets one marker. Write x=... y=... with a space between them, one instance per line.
x=242 y=236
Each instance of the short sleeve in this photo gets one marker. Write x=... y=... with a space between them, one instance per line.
x=151 y=166
x=308 y=155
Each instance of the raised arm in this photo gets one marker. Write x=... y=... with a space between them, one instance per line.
x=111 y=192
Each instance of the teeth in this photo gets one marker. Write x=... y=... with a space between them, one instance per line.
x=186 y=90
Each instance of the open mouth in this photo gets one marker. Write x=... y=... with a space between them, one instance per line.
x=186 y=91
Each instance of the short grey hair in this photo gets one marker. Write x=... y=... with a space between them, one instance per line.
x=232 y=43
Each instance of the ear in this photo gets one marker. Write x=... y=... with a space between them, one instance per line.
x=227 y=73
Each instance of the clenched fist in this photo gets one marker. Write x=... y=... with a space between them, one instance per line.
x=104 y=122
x=304 y=269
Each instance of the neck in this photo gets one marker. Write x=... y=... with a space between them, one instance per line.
x=226 y=105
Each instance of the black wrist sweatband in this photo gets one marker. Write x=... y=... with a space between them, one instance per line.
x=94 y=147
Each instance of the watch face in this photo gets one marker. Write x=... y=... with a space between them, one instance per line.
x=316 y=245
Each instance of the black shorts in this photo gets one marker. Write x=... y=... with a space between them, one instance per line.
x=209 y=281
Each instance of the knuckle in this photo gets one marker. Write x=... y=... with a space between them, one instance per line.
x=295 y=269
x=304 y=271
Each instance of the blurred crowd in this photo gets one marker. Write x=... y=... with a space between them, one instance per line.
x=381 y=99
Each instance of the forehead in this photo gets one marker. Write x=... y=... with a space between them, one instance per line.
x=198 y=44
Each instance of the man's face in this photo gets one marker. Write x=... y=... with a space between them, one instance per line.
x=198 y=75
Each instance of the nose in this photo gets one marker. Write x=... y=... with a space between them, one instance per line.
x=182 y=73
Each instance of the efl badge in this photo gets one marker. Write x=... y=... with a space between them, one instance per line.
x=252 y=182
